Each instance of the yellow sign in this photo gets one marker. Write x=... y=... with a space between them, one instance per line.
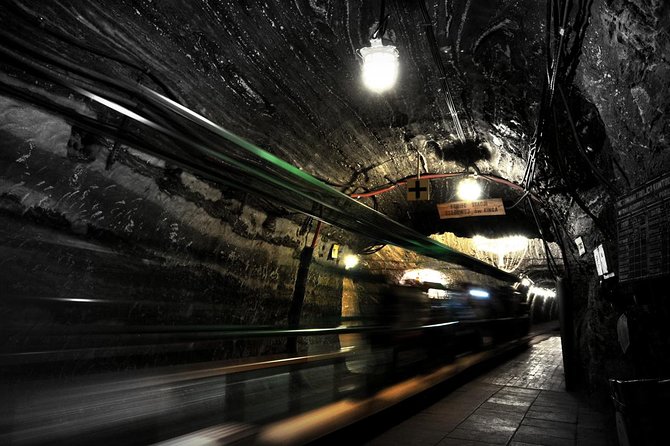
x=418 y=190
x=477 y=208
x=334 y=251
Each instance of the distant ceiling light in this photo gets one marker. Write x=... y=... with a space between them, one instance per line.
x=506 y=253
x=424 y=275
x=350 y=261
x=502 y=245
x=543 y=292
x=469 y=189
x=380 y=66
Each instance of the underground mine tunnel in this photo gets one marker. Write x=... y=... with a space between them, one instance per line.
x=372 y=222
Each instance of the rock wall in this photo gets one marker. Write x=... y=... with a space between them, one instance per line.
x=625 y=73
x=287 y=77
x=139 y=243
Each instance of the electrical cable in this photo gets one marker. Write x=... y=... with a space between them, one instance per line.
x=433 y=176
x=552 y=69
x=379 y=32
x=73 y=72
x=390 y=187
x=559 y=51
x=317 y=232
x=558 y=221
x=372 y=249
x=582 y=20
x=92 y=125
x=571 y=189
x=580 y=149
x=437 y=58
x=19 y=11
x=128 y=88
x=551 y=262
x=516 y=203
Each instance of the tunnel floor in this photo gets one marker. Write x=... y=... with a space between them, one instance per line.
x=521 y=402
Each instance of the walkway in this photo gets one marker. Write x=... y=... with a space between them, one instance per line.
x=521 y=403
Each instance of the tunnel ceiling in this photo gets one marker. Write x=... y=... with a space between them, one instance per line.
x=286 y=75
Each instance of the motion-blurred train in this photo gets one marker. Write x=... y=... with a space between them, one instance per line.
x=72 y=378
x=428 y=324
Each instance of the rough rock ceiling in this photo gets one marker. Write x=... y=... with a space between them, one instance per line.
x=286 y=76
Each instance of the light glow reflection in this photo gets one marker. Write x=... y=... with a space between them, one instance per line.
x=482 y=294
x=542 y=292
x=424 y=275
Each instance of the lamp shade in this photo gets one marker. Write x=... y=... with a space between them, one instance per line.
x=380 y=66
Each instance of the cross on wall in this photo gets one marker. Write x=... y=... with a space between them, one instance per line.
x=418 y=189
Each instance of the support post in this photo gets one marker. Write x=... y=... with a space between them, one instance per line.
x=298 y=297
x=565 y=316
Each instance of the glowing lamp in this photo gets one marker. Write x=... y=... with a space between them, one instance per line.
x=380 y=66
x=506 y=252
x=542 y=292
x=469 y=189
x=501 y=246
x=424 y=275
x=350 y=261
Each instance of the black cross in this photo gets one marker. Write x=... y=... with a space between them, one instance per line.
x=417 y=189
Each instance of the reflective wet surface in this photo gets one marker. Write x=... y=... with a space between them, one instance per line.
x=521 y=402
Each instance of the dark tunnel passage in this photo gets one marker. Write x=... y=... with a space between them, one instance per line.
x=282 y=223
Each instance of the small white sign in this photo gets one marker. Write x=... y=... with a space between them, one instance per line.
x=580 y=246
x=477 y=208
x=601 y=261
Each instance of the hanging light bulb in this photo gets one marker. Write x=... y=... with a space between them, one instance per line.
x=350 y=261
x=469 y=189
x=380 y=66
